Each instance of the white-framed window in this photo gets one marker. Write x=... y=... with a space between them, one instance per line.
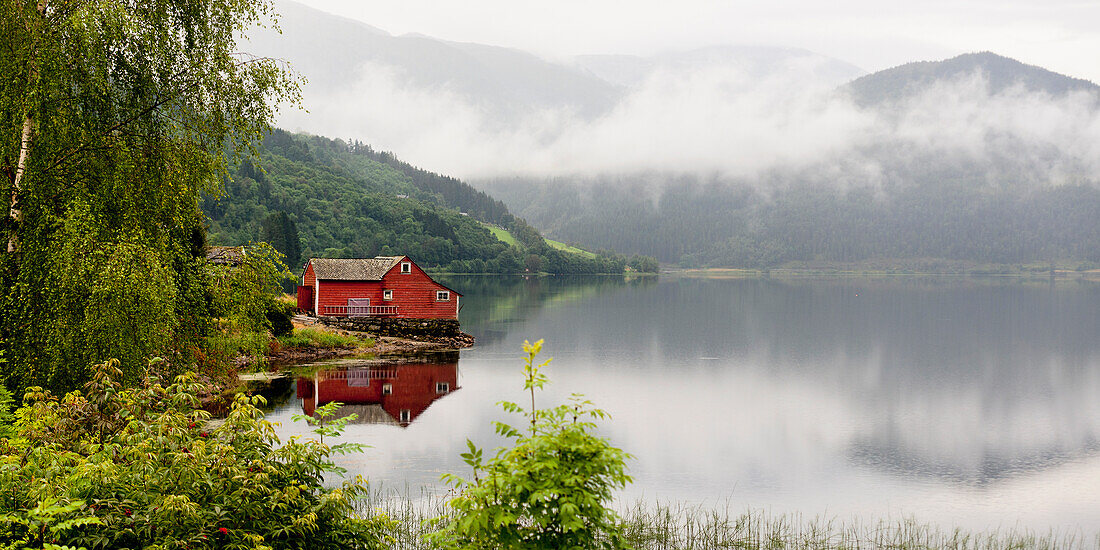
x=387 y=294
x=442 y=387
x=387 y=389
x=406 y=415
x=442 y=296
x=406 y=267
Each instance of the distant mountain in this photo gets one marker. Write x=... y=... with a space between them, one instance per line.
x=1001 y=73
x=753 y=164
x=331 y=51
x=505 y=84
x=974 y=175
x=753 y=62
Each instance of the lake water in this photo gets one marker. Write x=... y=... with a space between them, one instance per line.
x=963 y=402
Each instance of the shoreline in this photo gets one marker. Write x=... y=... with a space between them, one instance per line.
x=850 y=271
x=384 y=346
x=915 y=268
x=251 y=376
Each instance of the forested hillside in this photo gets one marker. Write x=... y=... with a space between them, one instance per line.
x=725 y=223
x=312 y=196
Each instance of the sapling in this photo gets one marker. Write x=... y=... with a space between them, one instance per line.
x=334 y=427
x=551 y=489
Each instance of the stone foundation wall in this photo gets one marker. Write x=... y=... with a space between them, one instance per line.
x=416 y=329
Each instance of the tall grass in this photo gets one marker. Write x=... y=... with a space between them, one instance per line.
x=221 y=349
x=680 y=527
x=411 y=516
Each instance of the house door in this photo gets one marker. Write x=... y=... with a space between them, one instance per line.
x=358 y=307
x=305 y=298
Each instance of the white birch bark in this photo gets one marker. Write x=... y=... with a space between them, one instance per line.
x=26 y=140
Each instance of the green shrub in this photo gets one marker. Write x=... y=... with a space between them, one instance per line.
x=278 y=316
x=143 y=468
x=245 y=293
x=6 y=418
x=551 y=489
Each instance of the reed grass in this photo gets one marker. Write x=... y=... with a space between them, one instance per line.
x=662 y=526
x=221 y=349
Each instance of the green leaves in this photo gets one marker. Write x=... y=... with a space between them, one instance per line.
x=533 y=377
x=44 y=522
x=551 y=489
x=532 y=374
x=142 y=468
x=116 y=114
x=473 y=458
x=244 y=293
x=328 y=423
x=6 y=417
x=505 y=430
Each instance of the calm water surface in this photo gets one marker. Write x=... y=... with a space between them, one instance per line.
x=970 y=403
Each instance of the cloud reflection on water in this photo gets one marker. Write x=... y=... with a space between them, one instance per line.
x=968 y=403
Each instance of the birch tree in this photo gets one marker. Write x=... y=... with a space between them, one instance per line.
x=115 y=115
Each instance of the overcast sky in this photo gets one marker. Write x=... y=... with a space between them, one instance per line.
x=1060 y=35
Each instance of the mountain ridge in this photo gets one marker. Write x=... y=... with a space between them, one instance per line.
x=977 y=182
x=718 y=168
x=755 y=61
x=1000 y=71
x=331 y=51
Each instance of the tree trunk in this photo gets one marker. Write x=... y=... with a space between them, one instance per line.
x=26 y=140
x=21 y=168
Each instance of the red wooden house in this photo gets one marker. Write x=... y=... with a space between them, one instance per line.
x=385 y=286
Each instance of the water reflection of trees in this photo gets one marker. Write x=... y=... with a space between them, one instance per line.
x=379 y=393
x=493 y=305
x=974 y=466
x=966 y=381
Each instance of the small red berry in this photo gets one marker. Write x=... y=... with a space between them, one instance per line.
x=223 y=530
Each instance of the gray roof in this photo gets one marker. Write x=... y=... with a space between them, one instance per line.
x=356 y=269
x=225 y=255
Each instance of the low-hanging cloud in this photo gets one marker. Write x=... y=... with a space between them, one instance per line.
x=1058 y=138
x=713 y=120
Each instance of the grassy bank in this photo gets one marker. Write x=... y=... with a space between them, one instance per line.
x=678 y=527
x=319 y=338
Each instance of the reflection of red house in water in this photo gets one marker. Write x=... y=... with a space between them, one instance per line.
x=389 y=394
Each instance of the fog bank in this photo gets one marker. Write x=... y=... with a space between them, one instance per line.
x=716 y=120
